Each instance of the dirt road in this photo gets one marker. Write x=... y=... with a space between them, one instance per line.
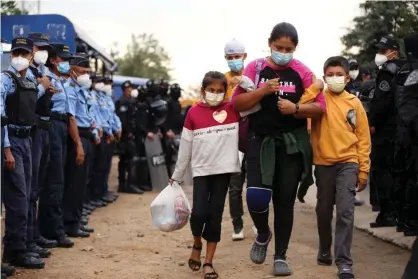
x=126 y=246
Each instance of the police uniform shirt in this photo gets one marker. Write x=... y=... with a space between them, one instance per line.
x=104 y=112
x=77 y=105
x=60 y=97
x=93 y=106
x=5 y=142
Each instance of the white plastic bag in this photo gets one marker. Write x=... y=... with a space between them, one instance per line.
x=170 y=210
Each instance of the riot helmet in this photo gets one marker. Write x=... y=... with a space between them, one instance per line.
x=175 y=91
x=163 y=87
x=152 y=87
x=159 y=110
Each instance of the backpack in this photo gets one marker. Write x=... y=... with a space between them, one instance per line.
x=244 y=121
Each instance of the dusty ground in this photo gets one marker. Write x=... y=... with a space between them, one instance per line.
x=126 y=246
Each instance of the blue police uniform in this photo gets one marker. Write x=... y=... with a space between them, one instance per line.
x=77 y=175
x=50 y=202
x=40 y=152
x=19 y=96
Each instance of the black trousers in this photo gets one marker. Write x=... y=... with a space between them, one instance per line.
x=75 y=184
x=288 y=171
x=98 y=176
x=209 y=194
x=236 y=185
x=127 y=151
x=411 y=270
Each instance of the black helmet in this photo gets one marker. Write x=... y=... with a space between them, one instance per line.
x=152 y=87
x=159 y=110
x=175 y=91
x=163 y=87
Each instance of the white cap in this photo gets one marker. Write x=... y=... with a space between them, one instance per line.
x=234 y=46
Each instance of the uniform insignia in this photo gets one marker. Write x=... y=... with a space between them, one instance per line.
x=123 y=108
x=384 y=86
x=58 y=91
x=412 y=78
x=371 y=94
x=352 y=118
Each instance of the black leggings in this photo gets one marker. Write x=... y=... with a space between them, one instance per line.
x=288 y=171
x=209 y=193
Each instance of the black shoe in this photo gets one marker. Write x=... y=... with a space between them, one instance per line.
x=42 y=252
x=410 y=231
x=358 y=202
x=84 y=221
x=7 y=270
x=98 y=203
x=87 y=212
x=65 y=242
x=88 y=206
x=133 y=190
x=46 y=243
x=113 y=196
x=87 y=229
x=26 y=260
x=145 y=188
x=383 y=222
x=79 y=233
x=107 y=199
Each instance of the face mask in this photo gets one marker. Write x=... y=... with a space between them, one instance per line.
x=99 y=86
x=20 y=63
x=354 y=74
x=84 y=81
x=134 y=93
x=63 y=67
x=175 y=94
x=380 y=59
x=107 y=89
x=214 y=99
x=281 y=58
x=336 y=84
x=236 y=65
x=40 y=57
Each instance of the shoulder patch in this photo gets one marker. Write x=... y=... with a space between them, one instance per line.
x=384 y=86
x=412 y=78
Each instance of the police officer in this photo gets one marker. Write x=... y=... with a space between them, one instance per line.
x=50 y=202
x=19 y=95
x=382 y=119
x=83 y=133
x=125 y=111
x=40 y=144
x=353 y=86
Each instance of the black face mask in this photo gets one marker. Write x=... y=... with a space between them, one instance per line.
x=175 y=94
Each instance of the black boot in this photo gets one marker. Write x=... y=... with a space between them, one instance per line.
x=87 y=229
x=131 y=189
x=64 y=242
x=383 y=220
x=34 y=248
x=26 y=260
x=79 y=233
x=7 y=270
x=46 y=243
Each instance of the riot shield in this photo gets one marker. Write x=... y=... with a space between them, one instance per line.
x=156 y=164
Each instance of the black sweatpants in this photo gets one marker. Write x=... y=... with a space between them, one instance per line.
x=209 y=194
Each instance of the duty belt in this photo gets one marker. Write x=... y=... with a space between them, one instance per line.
x=42 y=124
x=59 y=116
x=4 y=121
x=85 y=133
x=19 y=132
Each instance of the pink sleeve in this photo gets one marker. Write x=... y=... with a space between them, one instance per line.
x=321 y=100
x=307 y=82
x=249 y=72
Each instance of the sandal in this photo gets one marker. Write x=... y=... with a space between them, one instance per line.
x=210 y=275
x=193 y=264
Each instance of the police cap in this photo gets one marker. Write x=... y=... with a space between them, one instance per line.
x=61 y=50
x=80 y=60
x=352 y=62
x=387 y=42
x=411 y=44
x=39 y=39
x=22 y=43
x=127 y=84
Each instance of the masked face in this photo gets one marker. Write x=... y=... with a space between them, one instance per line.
x=281 y=58
x=134 y=93
x=214 y=99
x=84 y=81
x=354 y=74
x=63 y=67
x=336 y=79
x=99 y=86
x=107 y=89
x=40 y=57
x=380 y=59
x=282 y=50
x=20 y=63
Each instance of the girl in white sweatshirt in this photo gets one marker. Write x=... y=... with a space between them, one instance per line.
x=210 y=142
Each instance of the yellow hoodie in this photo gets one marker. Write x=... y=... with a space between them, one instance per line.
x=342 y=134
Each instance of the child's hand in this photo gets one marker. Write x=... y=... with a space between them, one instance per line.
x=362 y=183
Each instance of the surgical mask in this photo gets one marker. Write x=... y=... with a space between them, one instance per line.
x=63 y=67
x=354 y=74
x=213 y=99
x=236 y=65
x=380 y=59
x=99 y=86
x=107 y=89
x=40 y=57
x=84 y=81
x=336 y=84
x=20 y=63
x=281 y=58
x=134 y=93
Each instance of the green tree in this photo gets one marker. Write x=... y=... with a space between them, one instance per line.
x=379 y=18
x=145 y=58
x=9 y=7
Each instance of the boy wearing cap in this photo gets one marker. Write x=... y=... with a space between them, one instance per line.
x=19 y=93
x=382 y=120
x=50 y=213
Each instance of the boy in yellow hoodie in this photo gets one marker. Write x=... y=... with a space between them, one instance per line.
x=341 y=145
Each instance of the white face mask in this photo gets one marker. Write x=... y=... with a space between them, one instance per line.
x=380 y=59
x=20 y=63
x=354 y=74
x=84 y=81
x=214 y=99
x=134 y=93
x=99 y=86
x=336 y=84
x=107 y=89
x=40 y=57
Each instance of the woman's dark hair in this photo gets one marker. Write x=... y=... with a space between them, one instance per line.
x=284 y=29
x=211 y=76
x=337 y=61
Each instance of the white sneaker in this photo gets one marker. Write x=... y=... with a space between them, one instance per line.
x=255 y=230
x=238 y=236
